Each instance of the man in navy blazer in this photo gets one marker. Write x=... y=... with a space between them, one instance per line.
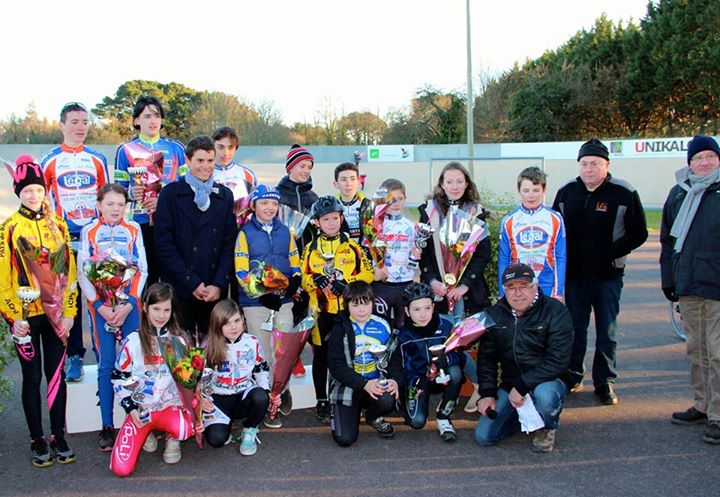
x=195 y=232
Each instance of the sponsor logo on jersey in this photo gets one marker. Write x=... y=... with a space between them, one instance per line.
x=77 y=180
x=532 y=236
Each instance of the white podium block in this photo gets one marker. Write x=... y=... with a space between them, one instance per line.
x=83 y=412
x=303 y=390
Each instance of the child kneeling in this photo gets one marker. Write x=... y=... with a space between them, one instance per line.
x=358 y=382
x=424 y=329
x=240 y=382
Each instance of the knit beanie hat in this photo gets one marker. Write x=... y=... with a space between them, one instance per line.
x=700 y=143
x=264 y=191
x=295 y=155
x=27 y=172
x=595 y=148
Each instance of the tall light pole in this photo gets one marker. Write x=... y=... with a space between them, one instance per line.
x=469 y=103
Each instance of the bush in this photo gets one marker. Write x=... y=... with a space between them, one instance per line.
x=7 y=353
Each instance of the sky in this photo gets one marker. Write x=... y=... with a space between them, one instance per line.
x=301 y=55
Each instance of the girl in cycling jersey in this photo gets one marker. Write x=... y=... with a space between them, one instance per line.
x=107 y=236
x=241 y=378
x=30 y=240
x=145 y=387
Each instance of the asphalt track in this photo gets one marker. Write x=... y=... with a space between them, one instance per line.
x=626 y=450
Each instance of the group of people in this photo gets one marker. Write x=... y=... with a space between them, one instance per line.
x=555 y=266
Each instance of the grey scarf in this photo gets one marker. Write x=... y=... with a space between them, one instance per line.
x=695 y=187
x=202 y=190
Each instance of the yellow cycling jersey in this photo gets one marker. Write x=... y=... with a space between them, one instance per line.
x=14 y=271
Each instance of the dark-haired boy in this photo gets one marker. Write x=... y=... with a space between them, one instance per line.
x=195 y=236
x=534 y=234
x=239 y=179
x=74 y=174
x=357 y=381
x=148 y=115
x=347 y=182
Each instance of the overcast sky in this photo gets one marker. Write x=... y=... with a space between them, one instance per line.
x=369 y=55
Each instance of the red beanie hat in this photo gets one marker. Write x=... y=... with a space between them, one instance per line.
x=296 y=155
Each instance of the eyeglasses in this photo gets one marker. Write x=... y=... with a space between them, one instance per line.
x=712 y=156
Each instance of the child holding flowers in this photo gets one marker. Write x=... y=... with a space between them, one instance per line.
x=108 y=241
x=240 y=381
x=146 y=387
x=32 y=242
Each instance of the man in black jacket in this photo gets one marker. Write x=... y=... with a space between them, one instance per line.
x=604 y=222
x=690 y=266
x=531 y=341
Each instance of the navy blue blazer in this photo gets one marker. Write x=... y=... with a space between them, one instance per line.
x=193 y=246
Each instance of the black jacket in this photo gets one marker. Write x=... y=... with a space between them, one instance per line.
x=300 y=197
x=478 y=295
x=696 y=269
x=602 y=227
x=531 y=349
x=337 y=362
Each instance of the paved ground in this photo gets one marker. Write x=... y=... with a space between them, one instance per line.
x=628 y=450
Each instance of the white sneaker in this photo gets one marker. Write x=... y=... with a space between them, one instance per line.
x=446 y=429
x=471 y=405
x=172 y=453
x=248 y=444
x=151 y=443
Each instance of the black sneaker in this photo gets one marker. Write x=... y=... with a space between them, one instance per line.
x=286 y=403
x=690 y=417
x=106 y=439
x=63 y=453
x=607 y=395
x=40 y=454
x=384 y=428
x=711 y=434
x=322 y=411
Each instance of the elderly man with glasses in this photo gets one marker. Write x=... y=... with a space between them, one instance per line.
x=531 y=342
x=690 y=267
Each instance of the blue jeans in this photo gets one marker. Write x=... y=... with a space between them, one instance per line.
x=603 y=297
x=548 y=398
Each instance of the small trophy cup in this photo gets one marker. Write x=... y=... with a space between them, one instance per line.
x=136 y=385
x=138 y=174
x=423 y=232
x=438 y=351
x=27 y=296
x=330 y=270
x=206 y=389
x=380 y=352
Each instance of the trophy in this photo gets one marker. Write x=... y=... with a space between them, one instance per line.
x=330 y=270
x=379 y=352
x=27 y=295
x=438 y=351
x=206 y=389
x=423 y=232
x=136 y=385
x=138 y=174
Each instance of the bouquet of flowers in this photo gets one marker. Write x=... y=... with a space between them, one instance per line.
x=146 y=170
x=263 y=279
x=110 y=274
x=48 y=272
x=458 y=235
x=286 y=349
x=372 y=217
x=185 y=363
x=294 y=220
x=243 y=210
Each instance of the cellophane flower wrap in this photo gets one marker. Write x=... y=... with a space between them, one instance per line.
x=295 y=221
x=372 y=217
x=287 y=345
x=263 y=279
x=243 y=210
x=185 y=363
x=49 y=274
x=459 y=236
x=152 y=165
x=110 y=274
x=464 y=334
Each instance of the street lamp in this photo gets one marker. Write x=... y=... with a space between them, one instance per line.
x=469 y=102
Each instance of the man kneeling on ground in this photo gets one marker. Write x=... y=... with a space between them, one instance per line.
x=532 y=342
